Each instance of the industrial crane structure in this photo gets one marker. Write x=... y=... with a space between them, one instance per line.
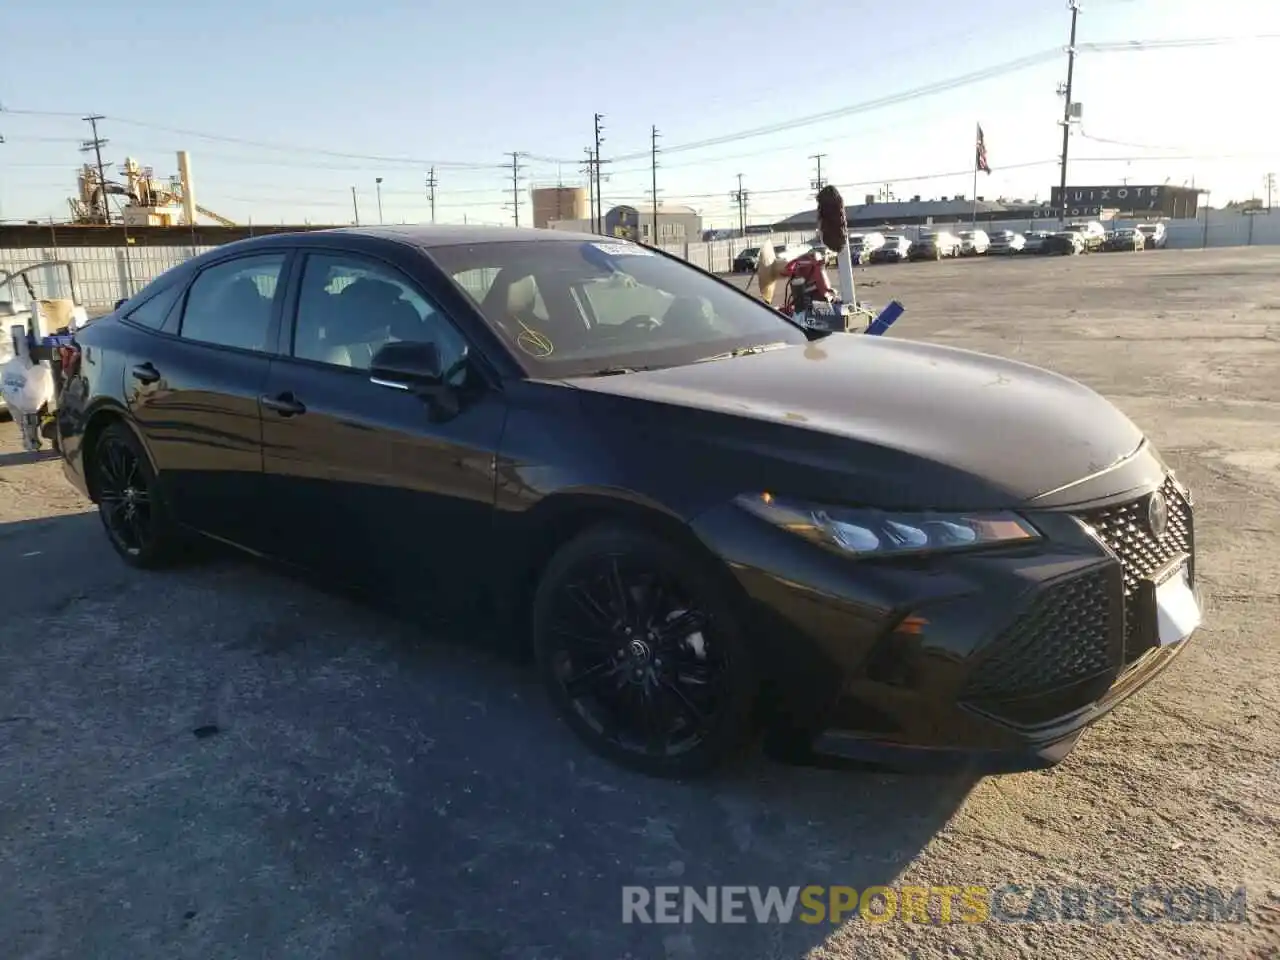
x=149 y=201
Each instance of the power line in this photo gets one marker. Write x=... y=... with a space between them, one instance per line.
x=515 y=185
x=654 y=149
x=590 y=171
x=817 y=182
x=903 y=97
x=942 y=86
x=96 y=145
x=1068 y=108
x=740 y=197
x=599 y=209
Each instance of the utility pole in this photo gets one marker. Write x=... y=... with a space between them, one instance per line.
x=653 y=163
x=599 y=212
x=740 y=197
x=515 y=186
x=432 y=183
x=590 y=171
x=96 y=145
x=817 y=182
x=355 y=206
x=377 y=185
x=1269 y=181
x=1067 y=110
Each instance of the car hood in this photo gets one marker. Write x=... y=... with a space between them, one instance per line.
x=905 y=417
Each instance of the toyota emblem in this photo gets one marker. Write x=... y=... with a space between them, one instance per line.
x=1158 y=514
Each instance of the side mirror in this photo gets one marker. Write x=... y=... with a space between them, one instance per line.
x=407 y=365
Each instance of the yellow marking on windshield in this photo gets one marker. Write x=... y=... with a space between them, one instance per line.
x=533 y=343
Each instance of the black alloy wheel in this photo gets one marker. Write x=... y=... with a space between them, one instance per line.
x=132 y=514
x=641 y=653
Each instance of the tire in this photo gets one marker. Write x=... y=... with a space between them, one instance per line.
x=702 y=697
x=134 y=517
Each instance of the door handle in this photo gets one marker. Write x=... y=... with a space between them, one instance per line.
x=285 y=404
x=145 y=373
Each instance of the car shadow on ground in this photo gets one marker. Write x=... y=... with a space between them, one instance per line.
x=255 y=767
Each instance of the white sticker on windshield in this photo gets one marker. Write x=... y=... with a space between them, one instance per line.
x=623 y=249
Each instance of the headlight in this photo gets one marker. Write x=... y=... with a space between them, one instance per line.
x=864 y=531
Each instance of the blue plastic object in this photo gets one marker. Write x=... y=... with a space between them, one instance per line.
x=886 y=318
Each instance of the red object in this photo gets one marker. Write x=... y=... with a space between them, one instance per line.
x=808 y=273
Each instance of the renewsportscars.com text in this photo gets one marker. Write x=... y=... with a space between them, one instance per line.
x=1010 y=903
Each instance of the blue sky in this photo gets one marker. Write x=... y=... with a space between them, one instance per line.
x=461 y=86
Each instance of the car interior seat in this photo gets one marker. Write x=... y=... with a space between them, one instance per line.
x=243 y=300
x=367 y=314
x=688 y=314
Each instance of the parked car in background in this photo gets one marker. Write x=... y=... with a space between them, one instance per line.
x=974 y=243
x=1006 y=242
x=789 y=251
x=1124 y=239
x=895 y=249
x=934 y=246
x=1034 y=240
x=862 y=245
x=1063 y=243
x=863 y=553
x=1091 y=232
x=1155 y=233
x=827 y=256
x=747 y=260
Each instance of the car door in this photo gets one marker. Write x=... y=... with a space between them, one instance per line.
x=194 y=391
x=373 y=485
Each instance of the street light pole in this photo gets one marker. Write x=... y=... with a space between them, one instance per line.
x=377 y=181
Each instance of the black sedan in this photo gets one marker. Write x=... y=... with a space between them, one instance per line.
x=747 y=260
x=702 y=520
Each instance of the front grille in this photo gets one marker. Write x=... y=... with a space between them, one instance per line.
x=1063 y=637
x=1123 y=529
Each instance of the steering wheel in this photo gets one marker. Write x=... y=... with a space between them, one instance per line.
x=641 y=321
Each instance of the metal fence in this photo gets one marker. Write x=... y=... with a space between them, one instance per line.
x=106 y=274
x=103 y=274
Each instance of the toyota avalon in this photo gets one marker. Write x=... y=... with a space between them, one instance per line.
x=703 y=521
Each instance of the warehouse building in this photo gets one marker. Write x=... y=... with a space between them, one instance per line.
x=676 y=224
x=918 y=212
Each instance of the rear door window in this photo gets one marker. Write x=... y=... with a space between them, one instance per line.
x=230 y=304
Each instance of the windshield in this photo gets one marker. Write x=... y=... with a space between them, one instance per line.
x=892 y=241
x=571 y=307
x=1147 y=228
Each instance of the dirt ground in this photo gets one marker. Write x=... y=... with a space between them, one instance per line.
x=224 y=763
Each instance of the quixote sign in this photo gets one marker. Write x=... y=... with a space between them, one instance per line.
x=1091 y=201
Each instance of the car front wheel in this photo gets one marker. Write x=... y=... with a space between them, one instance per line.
x=642 y=653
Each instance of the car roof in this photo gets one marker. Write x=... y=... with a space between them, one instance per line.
x=425 y=237
x=453 y=235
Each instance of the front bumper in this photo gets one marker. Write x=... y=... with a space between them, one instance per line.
x=992 y=660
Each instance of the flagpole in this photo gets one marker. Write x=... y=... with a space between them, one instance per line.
x=976 y=134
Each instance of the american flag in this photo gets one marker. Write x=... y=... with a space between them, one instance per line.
x=981 y=156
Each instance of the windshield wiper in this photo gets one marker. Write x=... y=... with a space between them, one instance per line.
x=742 y=352
x=615 y=371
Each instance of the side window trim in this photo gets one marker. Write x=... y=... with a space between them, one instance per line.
x=289 y=328
x=288 y=255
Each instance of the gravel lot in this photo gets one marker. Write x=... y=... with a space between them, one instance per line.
x=224 y=763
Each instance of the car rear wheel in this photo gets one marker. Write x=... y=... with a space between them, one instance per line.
x=132 y=513
x=642 y=654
